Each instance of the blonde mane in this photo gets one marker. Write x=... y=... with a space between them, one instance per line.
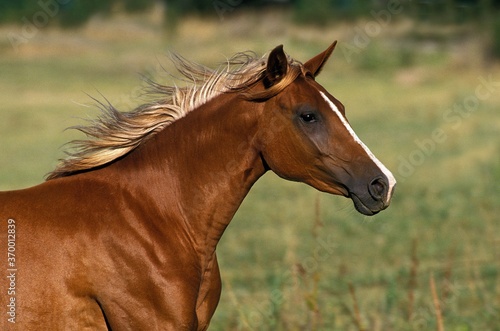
x=114 y=133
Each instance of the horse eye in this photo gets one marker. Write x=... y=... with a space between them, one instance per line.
x=308 y=117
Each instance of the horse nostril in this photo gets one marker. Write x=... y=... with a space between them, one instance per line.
x=378 y=188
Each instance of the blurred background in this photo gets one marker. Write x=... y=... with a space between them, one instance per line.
x=421 y=84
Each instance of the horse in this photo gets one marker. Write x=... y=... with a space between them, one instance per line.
x=122 y=235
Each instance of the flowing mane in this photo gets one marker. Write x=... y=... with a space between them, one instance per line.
x=115 y=133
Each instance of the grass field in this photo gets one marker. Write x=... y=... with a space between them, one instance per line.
x=293 y=258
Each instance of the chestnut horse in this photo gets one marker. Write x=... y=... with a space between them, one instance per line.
x=123 y=234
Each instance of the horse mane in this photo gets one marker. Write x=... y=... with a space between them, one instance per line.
x=114 y=134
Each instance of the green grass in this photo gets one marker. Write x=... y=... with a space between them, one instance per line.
x=291 y=253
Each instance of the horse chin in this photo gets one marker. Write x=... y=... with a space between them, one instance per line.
x=361 y=207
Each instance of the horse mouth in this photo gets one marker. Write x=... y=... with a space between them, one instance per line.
x=363 y=208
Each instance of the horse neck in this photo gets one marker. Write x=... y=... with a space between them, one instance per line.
x=204 y=165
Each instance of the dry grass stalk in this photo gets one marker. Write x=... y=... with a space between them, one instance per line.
x=313 y=301
x=318 y=223
x=412 y=282
x=447 y=276
x=357 y=314
x=437 y=306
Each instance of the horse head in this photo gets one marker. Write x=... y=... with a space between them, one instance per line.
x=305 y=136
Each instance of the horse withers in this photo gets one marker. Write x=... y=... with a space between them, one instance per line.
x=123 y=234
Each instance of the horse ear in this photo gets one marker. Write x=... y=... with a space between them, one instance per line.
x=277 y=66
x=315 y=64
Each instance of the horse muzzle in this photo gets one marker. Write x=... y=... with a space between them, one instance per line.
x=375 y=197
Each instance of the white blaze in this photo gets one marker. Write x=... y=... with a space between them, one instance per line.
x=385 y=171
